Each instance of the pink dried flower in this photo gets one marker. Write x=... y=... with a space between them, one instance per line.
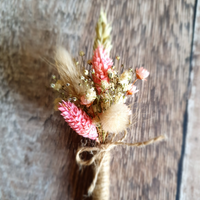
x=141 y=73
x=78 y=120
x=89 y=97
x=85 y=102
x=132 y=90
x=100 y=63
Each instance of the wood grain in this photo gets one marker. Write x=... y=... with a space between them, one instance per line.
x=37 y=157
x=191 y=171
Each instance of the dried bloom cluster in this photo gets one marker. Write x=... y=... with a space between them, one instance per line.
x=93 y=101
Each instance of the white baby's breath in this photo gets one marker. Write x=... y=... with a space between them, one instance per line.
x=91 y=95
x=126 y=87
x=105 y=85
x=86 y=72
x=125 y=77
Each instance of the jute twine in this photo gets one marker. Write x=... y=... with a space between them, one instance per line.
x=99 y=187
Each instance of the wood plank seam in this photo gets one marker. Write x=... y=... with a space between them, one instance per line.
x=185 y=121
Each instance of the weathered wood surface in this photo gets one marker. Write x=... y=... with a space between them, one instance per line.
x=37 y=157
x=190 y=184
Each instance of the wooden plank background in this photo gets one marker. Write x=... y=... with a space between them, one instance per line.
x=37 y=148
x=190 y=183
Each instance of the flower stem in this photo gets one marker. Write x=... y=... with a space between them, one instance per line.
x=134 y=81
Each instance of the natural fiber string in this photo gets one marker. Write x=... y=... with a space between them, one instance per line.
x=100 y=159
x=102 y=187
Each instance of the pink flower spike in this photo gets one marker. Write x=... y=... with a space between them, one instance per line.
x=78 y=120
x=101 y=63
x=132 y=90
x=141 y=73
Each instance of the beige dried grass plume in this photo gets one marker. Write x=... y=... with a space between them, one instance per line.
x=116 y=118
x=69 y=72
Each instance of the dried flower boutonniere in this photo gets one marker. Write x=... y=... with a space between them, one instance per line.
x=93 y=103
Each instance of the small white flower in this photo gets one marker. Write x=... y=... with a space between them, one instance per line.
x=127 y=87
x=111 y=73
x=52 y=85
x=82 y=78
x=86 y=72
x=105 y=84
x=91 y=95
x=110 y=70
x=125 y=77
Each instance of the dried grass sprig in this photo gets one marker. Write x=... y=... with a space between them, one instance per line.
x=103 y=30
x=69 y=73
x=116 y=118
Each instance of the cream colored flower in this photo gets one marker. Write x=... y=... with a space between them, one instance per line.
x=111 y=73
x=125 y=77
x=91 y=94
x=105 y=85
x=126 y=87
x=89 y=97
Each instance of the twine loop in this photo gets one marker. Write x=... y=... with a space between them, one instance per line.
x=100 y=151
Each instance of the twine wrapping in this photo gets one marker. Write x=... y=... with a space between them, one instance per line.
x=102 y=187
x=100 y=159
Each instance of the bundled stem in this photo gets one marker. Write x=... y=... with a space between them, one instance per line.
x=99 y=187
x=102 y=188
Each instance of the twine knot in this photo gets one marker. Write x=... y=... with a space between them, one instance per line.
x=99 y=154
